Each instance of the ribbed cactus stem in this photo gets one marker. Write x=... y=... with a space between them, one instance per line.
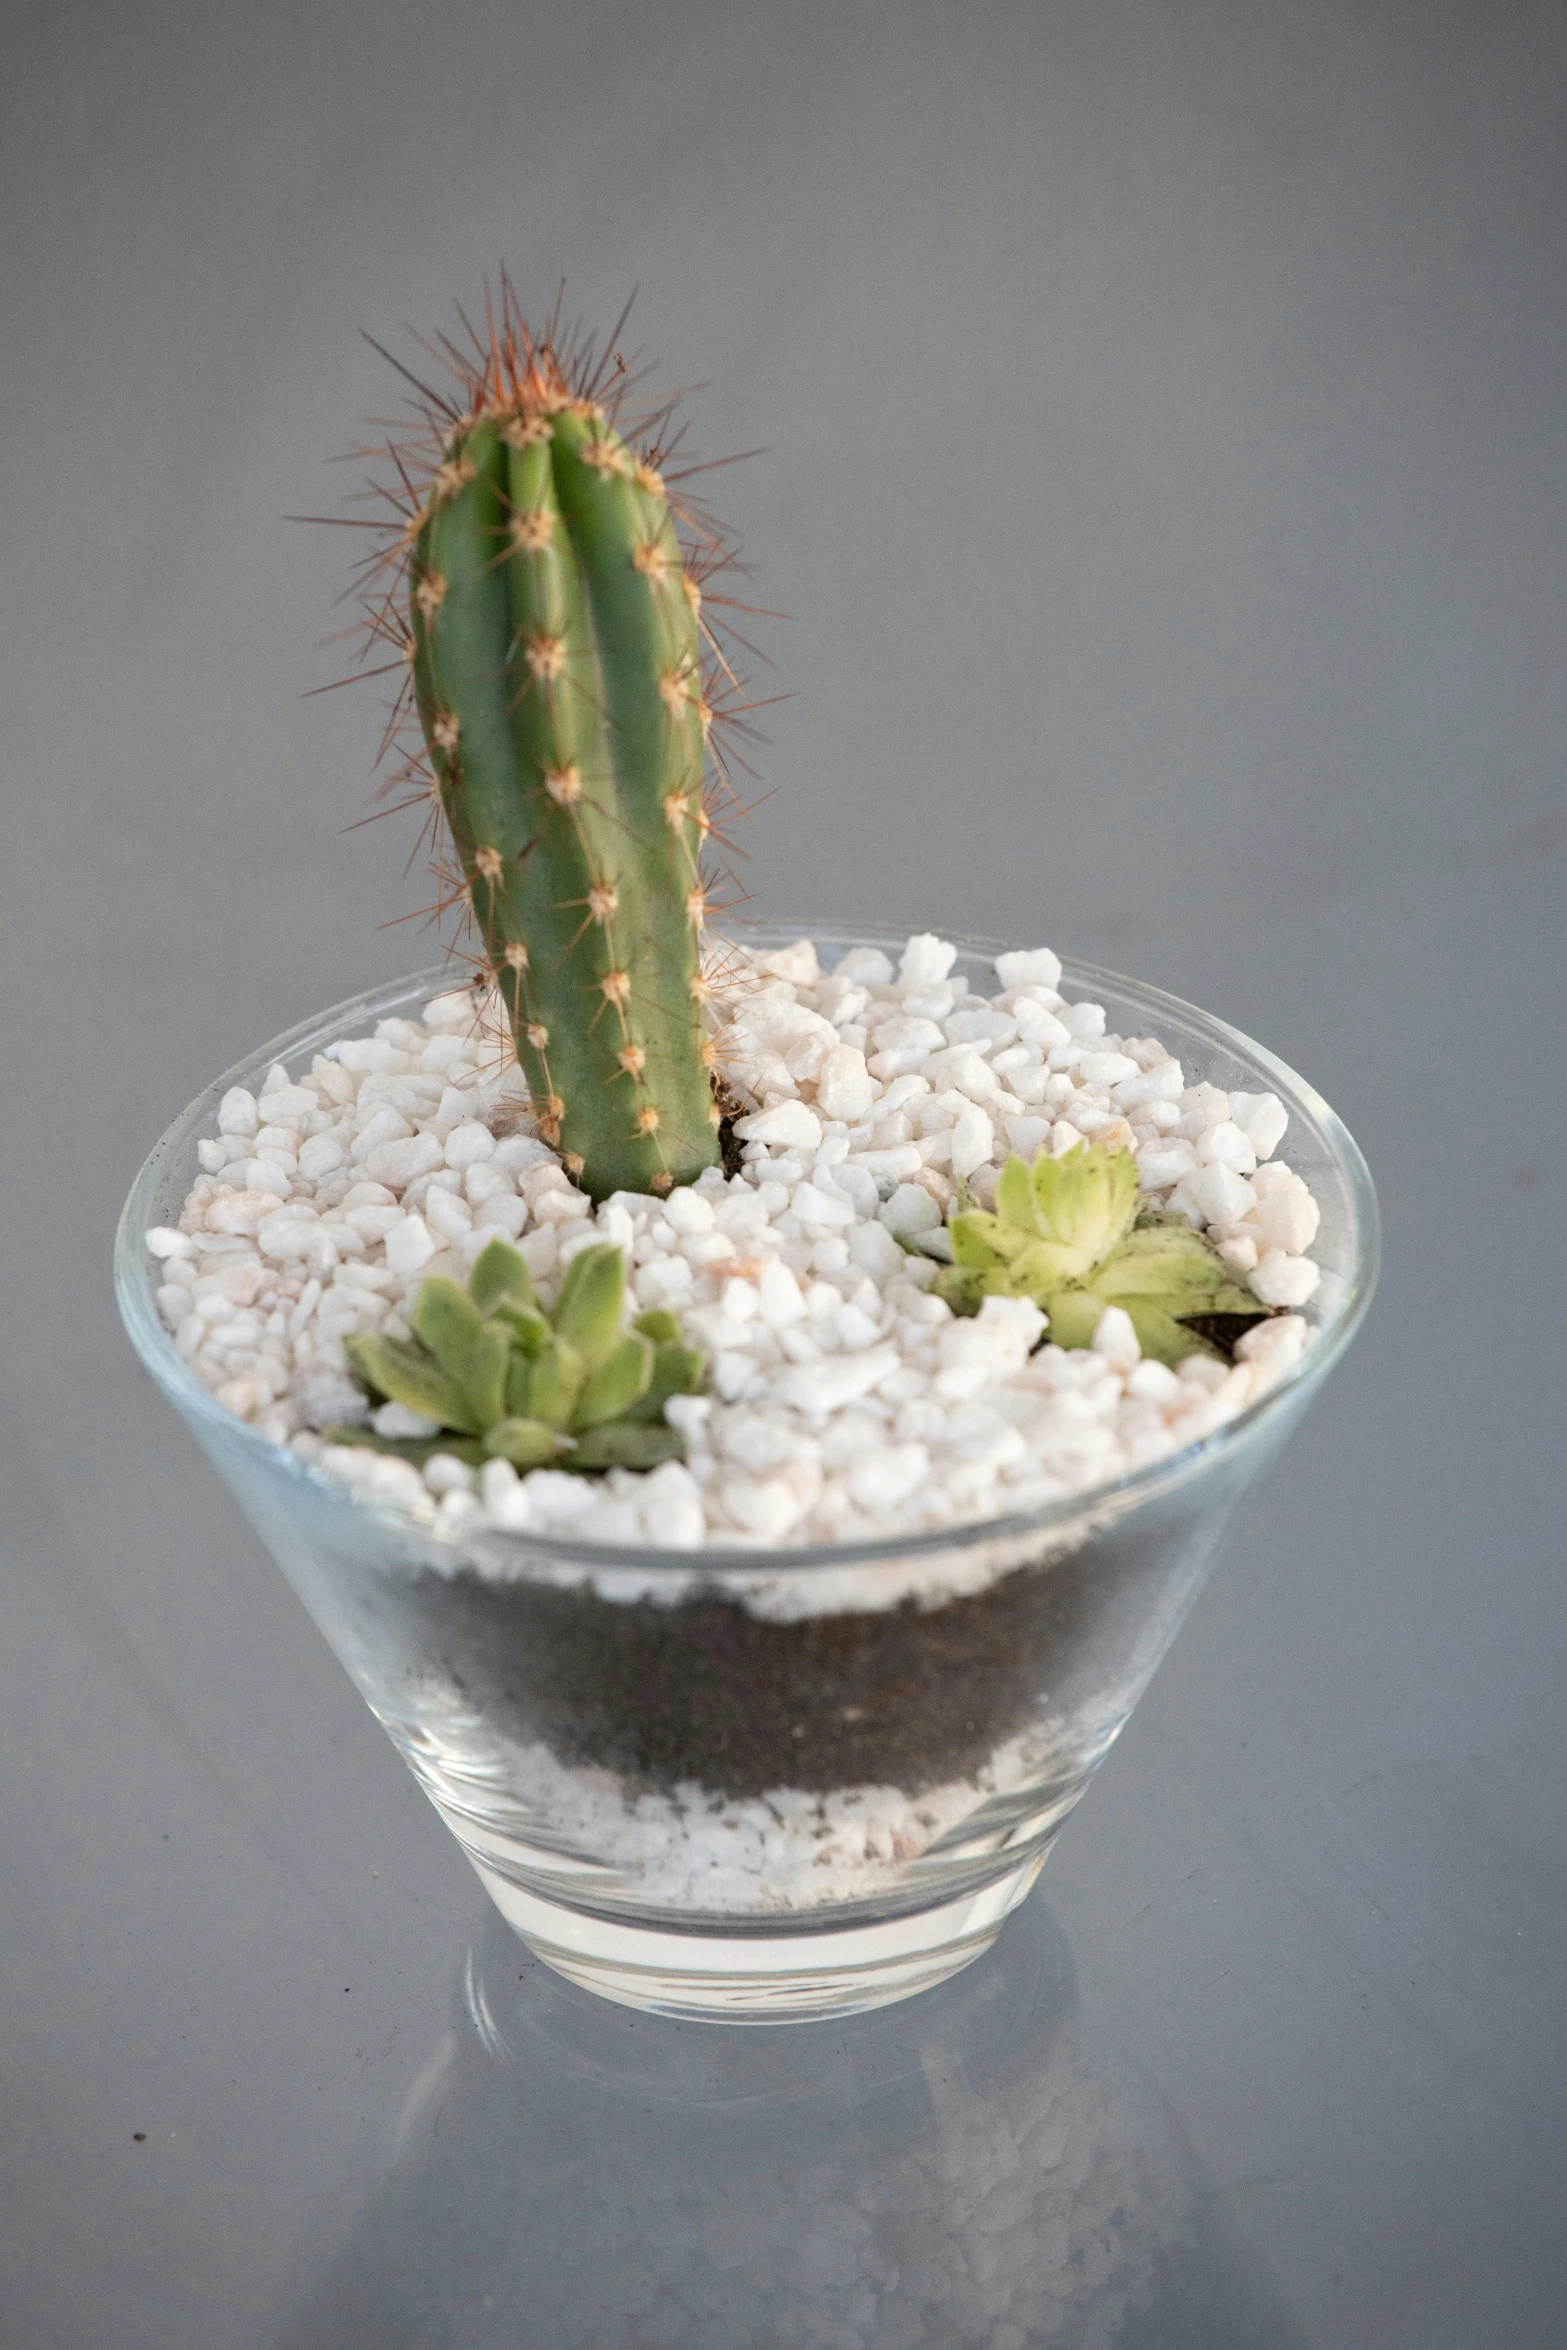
x=557 y=663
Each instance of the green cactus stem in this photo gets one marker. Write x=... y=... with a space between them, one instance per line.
x=1067 y=1233
x=502 y=1379
x=556 y=652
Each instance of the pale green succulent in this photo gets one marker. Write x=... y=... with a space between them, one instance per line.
x=505 y=1380
x=1067 y=1233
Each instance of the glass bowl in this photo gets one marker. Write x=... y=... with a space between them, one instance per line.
x=754 y=1784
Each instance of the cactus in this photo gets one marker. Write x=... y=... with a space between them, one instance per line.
x=554 y=638
x=1067 y=1234
x=504 y=1380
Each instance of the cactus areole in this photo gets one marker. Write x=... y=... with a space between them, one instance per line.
x=555 y=643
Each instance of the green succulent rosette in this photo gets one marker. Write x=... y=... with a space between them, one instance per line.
x=504 y=1378
x=1067 y=1234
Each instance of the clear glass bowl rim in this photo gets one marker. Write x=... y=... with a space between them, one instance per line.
x=155 y=1345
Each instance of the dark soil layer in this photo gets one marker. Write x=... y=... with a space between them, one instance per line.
x=705 y=1691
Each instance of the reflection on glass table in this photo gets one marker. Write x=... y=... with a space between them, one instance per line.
x=968 y=2168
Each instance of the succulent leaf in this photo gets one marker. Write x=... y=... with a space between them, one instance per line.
x=1176 y=1266
x=587 y=1312
x=484 y=1372
x=617 y=1380
x=530 y=1331
x=405 y=1374
x=1073 y=1315
x=554 y=1384
x=570 y=1385
x=414 y=1449
x=499 y=1273
x=677 y=1370
x=447 y=1321
x=624 y=1444
x=527 y=1444
x=1065 y=1234
x=1084 y=1202
x=519 y=1383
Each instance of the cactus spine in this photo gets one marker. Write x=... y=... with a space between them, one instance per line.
x=556 y=660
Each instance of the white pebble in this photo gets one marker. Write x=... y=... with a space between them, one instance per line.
x=322 y=1155
x=396 y=1163
x=388 y=1480
x=286 y=1104
x=844 y=1089
x=1029 y=967
x=962 y=1069
x=505 y=1497
x=664 y=1282
x=502 y=1212
x=517 y=1152
x=1165 y=1162
x=786 y=1125
x=873 y=1249
x=264 y=1175
x=372 y=1223
x=819 y=1210
x=445 y=1473
x=688 y=1211
x=485 y=1180
x=766 y=1506
x=239 y=1212
x=1222 y=1197
x=868 y=965
x=539 y=1251
x=1275 y=1346
x=409 y=1245
x=910 y=1209
x=859 y=1186
x=1027 y=1136
x=973 y=1140
x=887 y=1474
x=1262 y=1118
x=1224 y=1145
x=292 y=1232
x=1282 y=1280
x=779 y=1300
x=1287 y=1220
x=1116 y=1339
x=237 y=1113
x=1107 y=1068
x=925 y=961
x=166 y=1243
x=1040 y=1026
x=671 y=1507
x=818 y=1388
x=468 y=1144
x=557 y=1205
x=397 y=1421
x=999 y=1338
x=447 y=1213
x=557 y=1497
x=1162 y=1083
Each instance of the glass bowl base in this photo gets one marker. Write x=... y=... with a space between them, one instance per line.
x=760 y=1978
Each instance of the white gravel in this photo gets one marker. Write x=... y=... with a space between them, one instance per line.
x=846 y=1401
x=788 y=1849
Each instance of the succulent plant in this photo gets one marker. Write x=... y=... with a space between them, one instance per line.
x=532 y=577
x=504 y=1379
x=1067 y=1233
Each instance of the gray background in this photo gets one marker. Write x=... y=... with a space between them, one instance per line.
x=1163 y=400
